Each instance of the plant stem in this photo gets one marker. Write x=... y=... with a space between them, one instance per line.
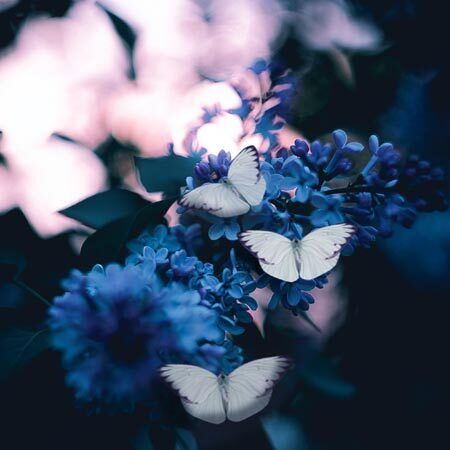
x=27 y=288
x=356 y=189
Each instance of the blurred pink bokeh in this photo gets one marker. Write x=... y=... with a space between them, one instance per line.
x=70 y=76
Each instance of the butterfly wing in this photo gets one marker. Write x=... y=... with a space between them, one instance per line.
x=245 y=176
x=249 y=387
x=218 y=199
x=274 y=251
x=199 y=391
x=319 y=250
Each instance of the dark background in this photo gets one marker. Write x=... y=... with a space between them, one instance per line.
x=394 y=345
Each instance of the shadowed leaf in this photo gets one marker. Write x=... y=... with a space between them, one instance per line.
x=18 y=347
x=322 y=374
x=108 y=243
x=105 y=207
x=166 y=174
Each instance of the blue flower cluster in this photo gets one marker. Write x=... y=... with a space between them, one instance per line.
x=115 y=326
x=184 y=292
x=313 y=185
x=164 y=253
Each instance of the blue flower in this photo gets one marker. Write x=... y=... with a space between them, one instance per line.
x=319 y=154
x=422 y=185
x=115 y=330
x=230 y=297
x=224 y=227
x=218 y=165
x=300 y=148
x=300 y=177
x=181 y=265
x=149 y=259
x=232 y=358
x=203 y=172
x=395 y=209
x=158 y=238
x=384 y=153
x=189 y=237
x=342 y=147
x=293 y=296
x=328 y=209
x=274 y=181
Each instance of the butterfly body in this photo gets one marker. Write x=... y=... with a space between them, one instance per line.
x=237 y=396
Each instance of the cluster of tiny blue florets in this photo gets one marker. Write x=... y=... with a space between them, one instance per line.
x=185 y=291
x=314 y=185
x=226 y=291
x=117 y=325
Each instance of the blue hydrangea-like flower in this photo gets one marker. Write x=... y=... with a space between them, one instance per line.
x=224 y=227
x=319 y=154
x=114 y=330
x=293 y=296
x=232 y=358
x=299 y=177
x=231 y=298
x=300 y=148
x=149 y=259
x=159 y=238
x=215 y=169
x=189 y=237
x=397 y=210
x=328 y=209
x=342 y=147
x=181 y=265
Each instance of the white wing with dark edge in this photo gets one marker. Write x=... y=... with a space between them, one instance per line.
x=274 y=251
x=199 y=391
x=249 y=387
x=319 y=251
x=245 y=176
x=218 y=199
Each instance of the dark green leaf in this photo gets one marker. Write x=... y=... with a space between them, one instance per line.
x=18 y=347
x=166 y=174
x=12 y=264
x=105 y=207
x=108 y=243
x=322 y=374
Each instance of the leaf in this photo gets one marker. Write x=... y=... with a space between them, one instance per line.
x=185 y=439
x=105 y=207
x=308 y=319
x=12 y=264
x=166 y=174
x=18 y=347
x=108 y=243
x=322 y=374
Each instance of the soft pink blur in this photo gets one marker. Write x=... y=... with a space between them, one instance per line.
x=69 y=76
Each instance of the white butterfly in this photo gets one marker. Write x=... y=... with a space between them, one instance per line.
x=244 y=187
x=237 y=396
x=288 y=260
